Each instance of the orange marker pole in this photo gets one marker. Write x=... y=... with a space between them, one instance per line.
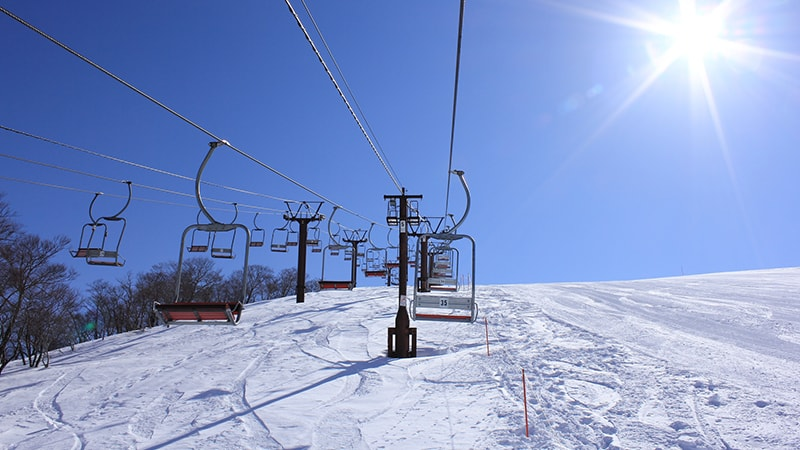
x=525 y=399
x=486 y=321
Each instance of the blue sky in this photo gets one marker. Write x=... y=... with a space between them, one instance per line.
x=597 y=145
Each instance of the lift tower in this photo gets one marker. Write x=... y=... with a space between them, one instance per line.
x=402 y=335
x=303 y=215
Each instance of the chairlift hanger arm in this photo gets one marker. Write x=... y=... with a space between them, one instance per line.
x=115 y=216
x=460 y=174
x=369 y=235
x=212 y=146
x=330 y=220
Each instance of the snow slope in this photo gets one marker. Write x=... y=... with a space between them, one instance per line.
x=700 y=362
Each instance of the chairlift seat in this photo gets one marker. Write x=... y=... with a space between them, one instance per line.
x=443 y=284
x=328 y=285
x=116 y=262
x=200 y=312
x=222 y=252
x=447 y=308
x=86 y=252
x=257 y=237
x=100 y=257
x=375 y=273
x=197 y=248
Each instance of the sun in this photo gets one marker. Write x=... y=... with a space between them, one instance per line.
x=697 y=35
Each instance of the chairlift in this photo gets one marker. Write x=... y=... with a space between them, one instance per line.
x=197 y=244
x=443 y=266
x=326 y=284
x=392 y=254
x=90 y=245
x=375 y=262
x=292 y=237
x=95 y=248
x=412 y=254
x=280 y=237
x=333 y=249
x=437 y=292
x=393 y=212
x=189 y=311
x=374 y=258
x=313 y=239
x=184 y=310
x=257 y=234
x=225 y=251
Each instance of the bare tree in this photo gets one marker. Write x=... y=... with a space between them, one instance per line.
x=8 y=227
x=102 y=308
x=26 y=273
x=261 y=284
x=287 y=282
x=199 y=280
x=157 y=285
x=45 y=323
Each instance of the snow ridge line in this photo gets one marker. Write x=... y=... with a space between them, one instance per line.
x=46 y=405
x=238 y=399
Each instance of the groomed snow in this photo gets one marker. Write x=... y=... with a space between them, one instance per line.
x=699 y=362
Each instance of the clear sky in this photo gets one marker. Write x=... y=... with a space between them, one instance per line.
x=602 y=140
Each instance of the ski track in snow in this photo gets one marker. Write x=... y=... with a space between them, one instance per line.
x=705 y=362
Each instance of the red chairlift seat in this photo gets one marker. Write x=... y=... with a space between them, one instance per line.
x=328 y=285
x=84 y=252
x=206 y=312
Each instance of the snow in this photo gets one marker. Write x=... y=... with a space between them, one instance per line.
x=698 y=362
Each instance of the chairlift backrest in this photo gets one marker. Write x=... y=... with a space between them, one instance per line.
x=197 y=244
x=292 y=237
x=313 y=236
x=224 y=252
x=279 y=239
x=257 y=234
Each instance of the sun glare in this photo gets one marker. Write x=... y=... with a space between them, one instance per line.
x=698 y=36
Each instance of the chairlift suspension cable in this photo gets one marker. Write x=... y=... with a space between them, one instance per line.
x=175 y=113
x=140 y=166
x=349 y=90
x=343 y=97
x=455 y=100
x=88 y=191
x=101 y=177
